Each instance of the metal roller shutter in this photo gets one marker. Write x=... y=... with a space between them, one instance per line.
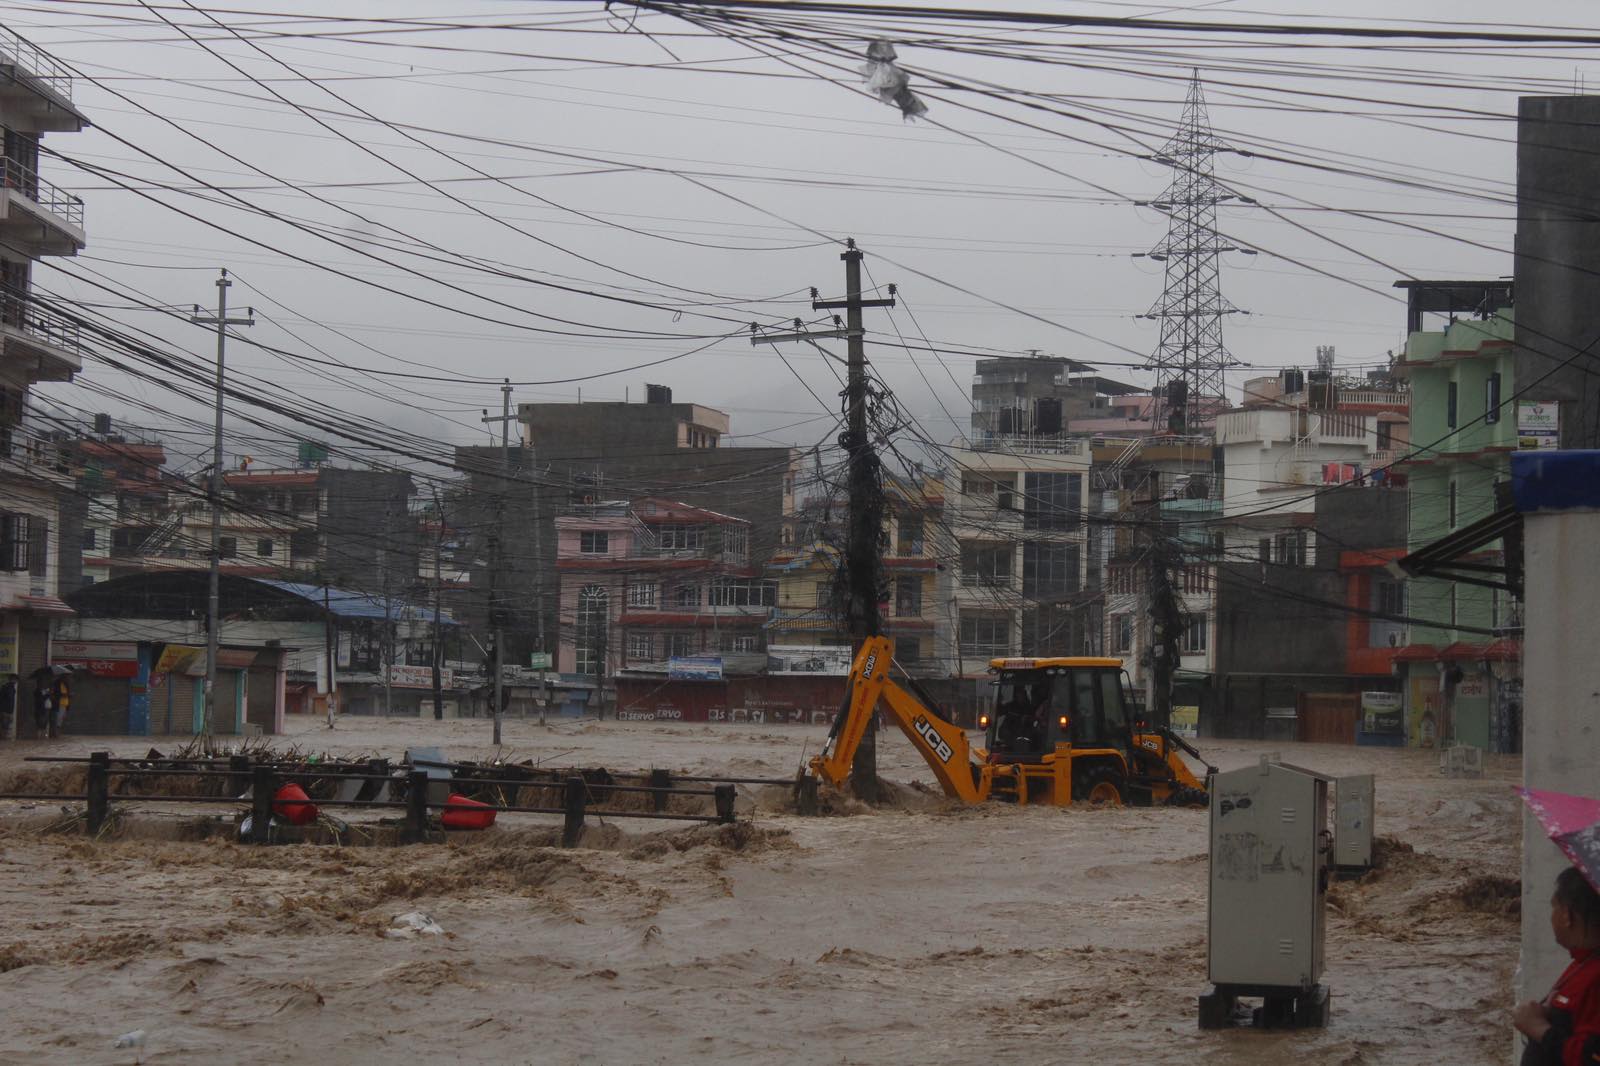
x=226 y=708
x=261 y=697
x=99 y=706
x=33 y=650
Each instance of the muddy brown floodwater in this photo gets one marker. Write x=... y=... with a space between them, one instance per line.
x=920 y=933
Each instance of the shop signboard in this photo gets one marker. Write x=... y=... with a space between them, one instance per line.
x=1382 y=714
x=1538 y=425
x=821 y=660
x=8 y=647
x=695 y=668
x=181 y=659
x=98 y=658
x=403 y=676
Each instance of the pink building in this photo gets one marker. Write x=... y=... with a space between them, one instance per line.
x=654 y=580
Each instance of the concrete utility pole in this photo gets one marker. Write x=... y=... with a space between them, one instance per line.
x=438 y=593
x=504 y=419
x=1164 y=610
x=863 y=556
x=213 y=601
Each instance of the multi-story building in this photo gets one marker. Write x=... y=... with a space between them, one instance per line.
x=1020 y=550
x=916 y=611
x=654 y=580
x=573 y=454
x=122 y=494
x=37 y=344
x=1460 y=677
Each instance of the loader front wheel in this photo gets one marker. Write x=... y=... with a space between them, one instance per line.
x=1102 y=786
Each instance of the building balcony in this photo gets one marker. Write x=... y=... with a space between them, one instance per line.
x=36 y=216
x=49 y=343
x=1031 y=444
x=37 y=96
x=26 y=453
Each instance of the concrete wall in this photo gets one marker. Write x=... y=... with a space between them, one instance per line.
x=1558 y=257
x=1561 y=718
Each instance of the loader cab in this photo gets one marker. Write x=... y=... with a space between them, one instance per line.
x=1040 y=703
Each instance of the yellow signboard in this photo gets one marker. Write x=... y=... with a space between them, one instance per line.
x=8 y=648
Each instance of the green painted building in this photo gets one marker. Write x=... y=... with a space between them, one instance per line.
x=1458 y=677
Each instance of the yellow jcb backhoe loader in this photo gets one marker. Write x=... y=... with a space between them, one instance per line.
x=1059 y=733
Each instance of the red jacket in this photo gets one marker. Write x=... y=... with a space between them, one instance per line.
x=1574 y=1010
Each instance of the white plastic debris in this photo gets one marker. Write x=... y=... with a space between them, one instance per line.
x=413 y=924
x=888 y=82
x=134 y=1039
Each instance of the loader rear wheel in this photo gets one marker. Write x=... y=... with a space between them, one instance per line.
x=1101 y=786
x=1189 y=797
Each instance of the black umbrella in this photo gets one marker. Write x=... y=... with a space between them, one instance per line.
x=53 y=670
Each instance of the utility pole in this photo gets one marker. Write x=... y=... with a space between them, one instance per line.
x=863 y=555
x=330 y=638
x=500 y=523
x=213 y=600
x=438 y=593
x=1164 y=609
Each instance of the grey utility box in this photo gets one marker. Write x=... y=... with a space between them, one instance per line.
x=1269 y=881
x=1353 y=807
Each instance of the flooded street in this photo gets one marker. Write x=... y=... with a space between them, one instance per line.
x=917 y=933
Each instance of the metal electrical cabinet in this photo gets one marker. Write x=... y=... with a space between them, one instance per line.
x=1268 y=889
x=1353 y=810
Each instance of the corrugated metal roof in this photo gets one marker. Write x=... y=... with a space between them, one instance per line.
x=348 y=603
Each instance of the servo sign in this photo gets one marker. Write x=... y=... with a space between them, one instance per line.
x=941 y=747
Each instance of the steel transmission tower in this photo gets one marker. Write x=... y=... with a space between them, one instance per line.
x=1190 y=358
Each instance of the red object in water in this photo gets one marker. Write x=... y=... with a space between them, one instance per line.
x=293 y=805
x=463 y=813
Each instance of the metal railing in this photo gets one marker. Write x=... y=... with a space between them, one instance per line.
x=35 y=61
x=582 y=793
x=20 y=311
x=57 y=201
x=1031 y=444
x=34 y=450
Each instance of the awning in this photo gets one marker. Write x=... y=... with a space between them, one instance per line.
x=1452 y=557
x=46 y=605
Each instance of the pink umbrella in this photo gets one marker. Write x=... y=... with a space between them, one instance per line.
x=1573 y=822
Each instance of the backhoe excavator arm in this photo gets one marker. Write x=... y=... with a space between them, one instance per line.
x=942 y=744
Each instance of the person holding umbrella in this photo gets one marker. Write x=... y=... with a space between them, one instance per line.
x=1563 y=1029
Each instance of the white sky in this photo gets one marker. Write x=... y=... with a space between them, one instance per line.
x=1019 y=219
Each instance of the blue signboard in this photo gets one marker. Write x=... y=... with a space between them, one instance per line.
x=695 y=668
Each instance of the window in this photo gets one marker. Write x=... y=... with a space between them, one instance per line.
x=264 y=548
x=1049 y=571
x=643 y=595
x=1450 y=497
x=985 y=636
x=686 y=595
x=908 y=651
x=735 y=544
x=908 y=540
x=824 y=594
x=743 y=592
x=1391 y=598
x=304 y=501
x=1122 y=580
x=1385 y=436
x=39 y=547
x=1450 y=406
x=89 y=540
x=15 y=532
x=228 y=547
x=303 y=545
x=678 y=645
x=1491 y=398
x=986 y=564
x=1291 y=548
x=1051 y=501
x=674 y=538
x=746 y=644
x=908 y=596
x=641 y=647
x=594 y=542
x=1122 y=633
x=1194 y=579
x=1193 y=641
x=972 y=485
x=594 y=619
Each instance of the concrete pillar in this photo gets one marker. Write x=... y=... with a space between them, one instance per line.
x=1558 y=494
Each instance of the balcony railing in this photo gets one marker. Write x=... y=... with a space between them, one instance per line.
x=34 y=60
x=21 y=312
x=59 y=202
x=1031 y=444
x=34 y=451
